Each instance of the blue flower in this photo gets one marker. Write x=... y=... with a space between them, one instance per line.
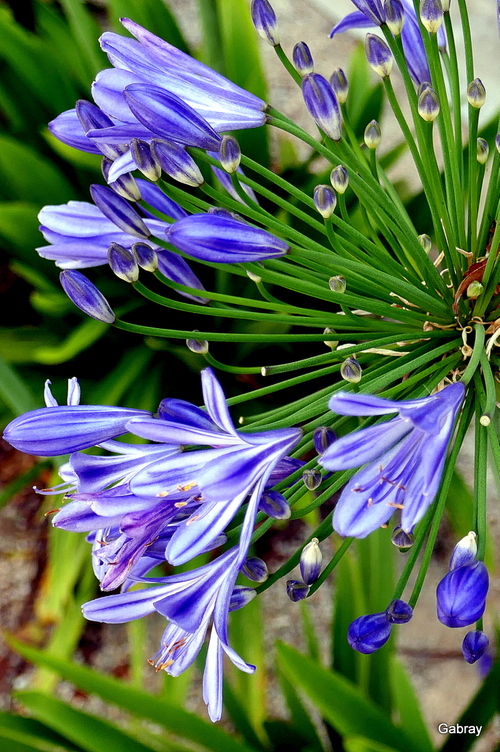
x=369 y=633
x=194 y=602
x=405 y=458
x=461 y=594
x=372 y=13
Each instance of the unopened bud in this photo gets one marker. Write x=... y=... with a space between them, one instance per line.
x=474 y=646
x=255 y=569
x=275 y=505
x=378 y=55
x=325 y=200
x=482 y=150
x=144 y=159
x=465 y=551
x=322 y=104
x=428 y=104
x=425 y=242
x=85 y=295
x=323 y=437
x=310 y=562
x=401 y=539
x=476 y=93
x=497 y=142
x=302 y=59
x=254 y=277
x=373 y=134
x=394 y=16
x=198 y=346
x=229 y=153
x=339 y=178
x=337 y=284
x=431 y=15
x=240 y=597
x=175 y=160
x=119 y=211
x=340 y=84
x=145 y=256
x=312 y=479
x=265 y=21
x=351 y=371
x=399 y=612
x=328 y=342
x=296 y=590
x=123 y=263
x=475 y=289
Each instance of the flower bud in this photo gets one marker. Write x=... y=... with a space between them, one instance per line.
x=123 y=263
x=265 y=22
x=323 y=437
x=474 y=646
x=474 y=290
x=240 y=597
x=366 y=634
x=296 y=590
x=330 y=343
x=302 y=59
x=325 y=200
x=91 y=118
x=461 y=595
x=144 y=159
x=394 y=16
x=255 y=569
x=372 y=135
x=119 y=211
x=482 y=150
x=229 y=154
x=337 y=284
x=431 y=15
x=145 y=256
x=476 y=93
x=340 y=85
x=125 y=185
x=428 y=104
x=425 y=242
x=85 y=295
x=275 y=505
x=399 y=612
x=378 y=55
x=198 y=346
x=465 y=551
x=310 y=562
x=497 y=142
x=322 y=104
x=401 y=539
x=312 y=479
x=445 y=4
x=339 y=178
x=351 y=371
x=176 y=162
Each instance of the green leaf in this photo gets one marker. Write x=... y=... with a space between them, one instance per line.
x=81 y=338
x=152 y=14
x=85 y=33
x=298 y=712
x=91 y=733
x=19 y=734
x=19 y=227
x=308 y=628
x=408 y=707
x=340 y=702
x=14 y=391
x=73 y=156
x=349 y=604
x=169 y=715
x=362 y=744
x=25 y=174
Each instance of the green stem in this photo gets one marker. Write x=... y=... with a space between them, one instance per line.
x=480 y=484
x=454 y=79
x=287 y=64
x=473 y=170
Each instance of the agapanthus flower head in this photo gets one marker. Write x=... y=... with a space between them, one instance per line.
x=404 y=458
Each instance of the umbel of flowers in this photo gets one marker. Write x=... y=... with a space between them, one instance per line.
x=408 y=314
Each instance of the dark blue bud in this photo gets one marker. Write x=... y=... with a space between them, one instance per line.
x=312 y=479
x=474 y=646
x=119 y=211
x=461 y=595
x=85 y=295
x=399 y=612
x=229 y=154
x=402 y=539
x=310 y=562
x=378 y=55
x=366 y=634
x=302 y=59
x=240 y=597
x=275 y=505
x=265 y=22
x=323 y=437
x=92 y=117
x=176 y=162
x=255 y=569
x=144 y=159
x=322 y=104
x=145 y=256
x=296 y=590
x=123 y=263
